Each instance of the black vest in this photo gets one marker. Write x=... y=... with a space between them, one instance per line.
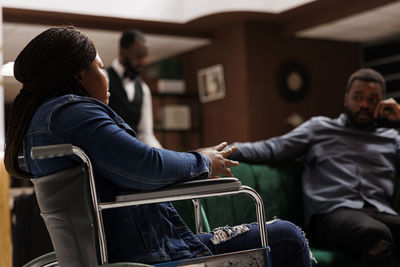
x=129 y=111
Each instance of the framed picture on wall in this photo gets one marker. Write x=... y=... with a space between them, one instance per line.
x=211 y=83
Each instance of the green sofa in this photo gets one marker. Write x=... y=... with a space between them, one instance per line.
x=280 y=187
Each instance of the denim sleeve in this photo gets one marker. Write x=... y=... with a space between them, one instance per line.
x=286 y=147
x=120 y=157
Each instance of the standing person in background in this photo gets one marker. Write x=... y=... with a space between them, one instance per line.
x=130 y=96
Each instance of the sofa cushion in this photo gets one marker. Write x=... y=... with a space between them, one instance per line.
x=278 y=186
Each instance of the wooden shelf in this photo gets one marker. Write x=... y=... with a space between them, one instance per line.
x=188 y=95
x=196 y=129
x=175 y=139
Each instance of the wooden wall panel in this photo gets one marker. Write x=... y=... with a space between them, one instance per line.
x=225 y=119
x=328 y=64
x=251 y=54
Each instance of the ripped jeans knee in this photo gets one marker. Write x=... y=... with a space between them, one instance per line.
x=286 y=240
x=223 y=234
x=231 y=238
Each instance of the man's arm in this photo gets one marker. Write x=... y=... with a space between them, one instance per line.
x=388 y=114
x=286 y=147
x=145 y=126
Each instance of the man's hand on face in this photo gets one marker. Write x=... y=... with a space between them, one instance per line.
x=388 y=109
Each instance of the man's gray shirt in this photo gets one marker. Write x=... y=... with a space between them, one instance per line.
x=344 y=166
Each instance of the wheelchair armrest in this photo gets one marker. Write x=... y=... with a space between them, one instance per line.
x=218 y=185
x=53 y=151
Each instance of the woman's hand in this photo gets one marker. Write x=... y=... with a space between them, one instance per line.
x=219 y=162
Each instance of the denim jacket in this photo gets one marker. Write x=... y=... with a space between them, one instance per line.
x=149 y=233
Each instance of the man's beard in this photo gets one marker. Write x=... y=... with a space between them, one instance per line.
x=353 y=116
x=130 y=70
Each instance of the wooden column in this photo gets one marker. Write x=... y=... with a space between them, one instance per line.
x=5 y=221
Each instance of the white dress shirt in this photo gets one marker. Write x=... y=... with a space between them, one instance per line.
x=145 y=131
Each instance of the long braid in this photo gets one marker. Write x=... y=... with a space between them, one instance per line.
x=22 y=111
x=47 y=67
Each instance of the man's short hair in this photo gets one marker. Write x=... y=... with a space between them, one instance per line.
x=129 y=36
x=366 y=75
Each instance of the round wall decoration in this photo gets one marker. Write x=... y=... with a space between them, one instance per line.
x=292 y=81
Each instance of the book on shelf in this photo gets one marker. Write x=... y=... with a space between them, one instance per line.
x=175 y=117
x=169 y=86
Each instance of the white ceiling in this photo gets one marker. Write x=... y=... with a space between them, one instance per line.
x=177 y=11
x=367 y=26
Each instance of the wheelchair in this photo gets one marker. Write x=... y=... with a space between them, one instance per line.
x=76 y=227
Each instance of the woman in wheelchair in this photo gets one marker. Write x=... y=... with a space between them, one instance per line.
x=64 y=100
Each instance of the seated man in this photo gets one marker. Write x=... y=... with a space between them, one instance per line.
x=349 y=170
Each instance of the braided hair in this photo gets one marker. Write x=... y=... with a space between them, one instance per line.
x=47 y=67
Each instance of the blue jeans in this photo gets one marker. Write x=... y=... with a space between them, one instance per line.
x=289 y=247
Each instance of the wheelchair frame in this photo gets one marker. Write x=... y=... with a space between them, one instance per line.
x=194 y=190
